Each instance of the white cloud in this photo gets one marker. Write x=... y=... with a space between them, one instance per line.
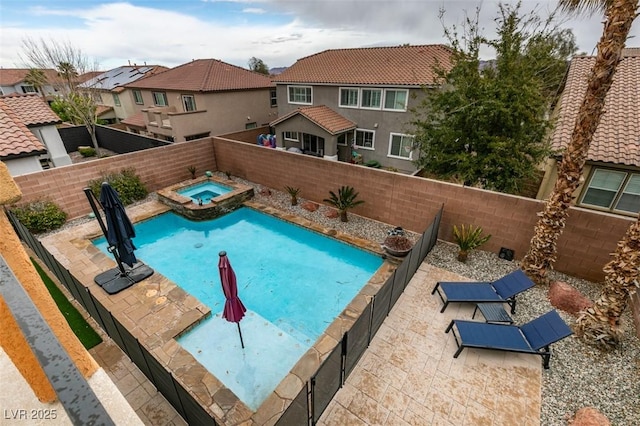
x=254 y=10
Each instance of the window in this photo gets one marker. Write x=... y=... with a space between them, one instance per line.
x=364 y=138
x=343 y=139
x=189 y=103
x=28 y=89
x=160 y=99
x=300 y=95
x=252 y=125
x=613 y=190
x=273 y=97
x=137 y=97
x=349 y=98
x=401 y=146
x=116 y=99
x=395 y=100
x=312 y=144
x=371 y=98
x=197 y=136
x=290 y=136
x=97 y=97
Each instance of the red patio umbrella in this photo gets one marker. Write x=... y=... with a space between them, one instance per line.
x=233 y=308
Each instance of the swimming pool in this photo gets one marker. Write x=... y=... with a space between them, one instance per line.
x=204 y=192
x=294 y=283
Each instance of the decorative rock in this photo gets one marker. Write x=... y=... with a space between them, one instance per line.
x=589 y=416
x=331 y=213
x=265 y=191
x=565 y=297
x=310 y=206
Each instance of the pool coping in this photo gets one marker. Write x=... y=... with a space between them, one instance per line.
x=156 y=311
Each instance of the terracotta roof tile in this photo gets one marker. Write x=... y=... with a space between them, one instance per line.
x=322 y=116
x=204 y=75
x=399 y=65
x=32 y=109
x=15 y=138
x=617 y=138
x=136 y=120
x=13 y=76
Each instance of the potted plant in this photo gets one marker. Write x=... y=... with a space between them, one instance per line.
x=343 y=201
x=397 y=245
x=468 y=238
x=293 y=192
x=192 y=169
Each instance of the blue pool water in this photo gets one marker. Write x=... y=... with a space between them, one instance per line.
x=294 y=283
x=204 y=191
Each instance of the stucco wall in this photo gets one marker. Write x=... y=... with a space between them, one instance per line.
x=24 y=165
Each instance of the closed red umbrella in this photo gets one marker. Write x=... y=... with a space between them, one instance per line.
x=233 y=308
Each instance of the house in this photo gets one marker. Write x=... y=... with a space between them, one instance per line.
x=29 y=139
x=612 y=170
x=16 y=80
x=355 y=104
x=201 y=98
x=108 y=91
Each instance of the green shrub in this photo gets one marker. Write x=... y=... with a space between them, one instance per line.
x=126 y=183
x=40 y=216
x=468 y=238
x=87 y=151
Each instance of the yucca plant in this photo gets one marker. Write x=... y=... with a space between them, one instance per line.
x=345 y=200
x=468 y=238
x=192 y=169
x=293 y=192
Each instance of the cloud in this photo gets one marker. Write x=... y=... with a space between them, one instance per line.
x=254 y=10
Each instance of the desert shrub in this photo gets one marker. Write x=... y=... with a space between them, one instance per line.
x=40 y=216
x=87 y=151
x=126 y=183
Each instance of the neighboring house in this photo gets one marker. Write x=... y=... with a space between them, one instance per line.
x=612 y=171
x=108 y=90
x=12 y=80
x=355 y=104
x=201 y=98
x=29 y=139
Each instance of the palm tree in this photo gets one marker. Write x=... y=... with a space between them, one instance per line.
x=599 y=324
x=37 y=78
x=619 y=17
x=67 y=71
x=343 y=201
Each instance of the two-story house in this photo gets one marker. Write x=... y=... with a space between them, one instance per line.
x=355 y=104
x=29 y=138
x=16 y=80
x=107 y=90
x=612 y=170
x=201 y=98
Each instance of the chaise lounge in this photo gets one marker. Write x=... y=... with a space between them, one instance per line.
x=534 y=337
x=503 y=290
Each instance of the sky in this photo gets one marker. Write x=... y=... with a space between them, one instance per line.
x=170 y=33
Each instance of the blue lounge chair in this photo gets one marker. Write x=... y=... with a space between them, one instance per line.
x=503 y=290
x=534 y=337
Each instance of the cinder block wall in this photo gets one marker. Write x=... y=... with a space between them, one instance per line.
x=157 y=167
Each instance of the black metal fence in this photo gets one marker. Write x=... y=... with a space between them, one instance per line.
x=313 y=399
x=115 y=140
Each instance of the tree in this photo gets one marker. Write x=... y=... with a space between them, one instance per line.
x=600 y=323
x=619 y=17
x=257 y=65
x=486 y=125
x=73 y=103
x=37 y=78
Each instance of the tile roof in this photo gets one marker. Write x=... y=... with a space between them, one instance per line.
x=103 y=109
x=15 y=138
x=13 y=76
x=121 y=76
x=399 y=65
x=204 y=75
x=322 y=116
x=617 y=138
x=136 y=120
x=31 y=109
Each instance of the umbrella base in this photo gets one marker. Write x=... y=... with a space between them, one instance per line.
x=112 y=281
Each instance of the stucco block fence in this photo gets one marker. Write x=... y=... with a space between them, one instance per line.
x=394 y=198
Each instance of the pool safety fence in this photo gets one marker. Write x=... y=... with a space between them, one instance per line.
x=312 y=400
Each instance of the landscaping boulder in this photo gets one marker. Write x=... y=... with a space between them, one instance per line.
x=265 y=191
x=331 y=213
x=589 y=416
x=565 y=297
x=310 y=206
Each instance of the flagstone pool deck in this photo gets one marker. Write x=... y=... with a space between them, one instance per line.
x=407 y=376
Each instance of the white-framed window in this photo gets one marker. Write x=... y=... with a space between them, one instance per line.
x=349 y=97
x=371 y=98
x=137 y=97
x=312 y=144
x=300 y=95
x=273 y=98
x=116 y=99
x=395 y=100
x=344 y=138
x=400 y=146
x=613 y=190
x=290 y=136
x=28 y=89
x=365 y=139
x=188 y=103
x=160 y=99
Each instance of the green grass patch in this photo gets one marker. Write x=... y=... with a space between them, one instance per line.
x=87 y=335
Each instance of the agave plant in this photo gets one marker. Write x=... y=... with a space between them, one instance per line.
x=343 y=201
x=468 y=238
x=293 y=192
